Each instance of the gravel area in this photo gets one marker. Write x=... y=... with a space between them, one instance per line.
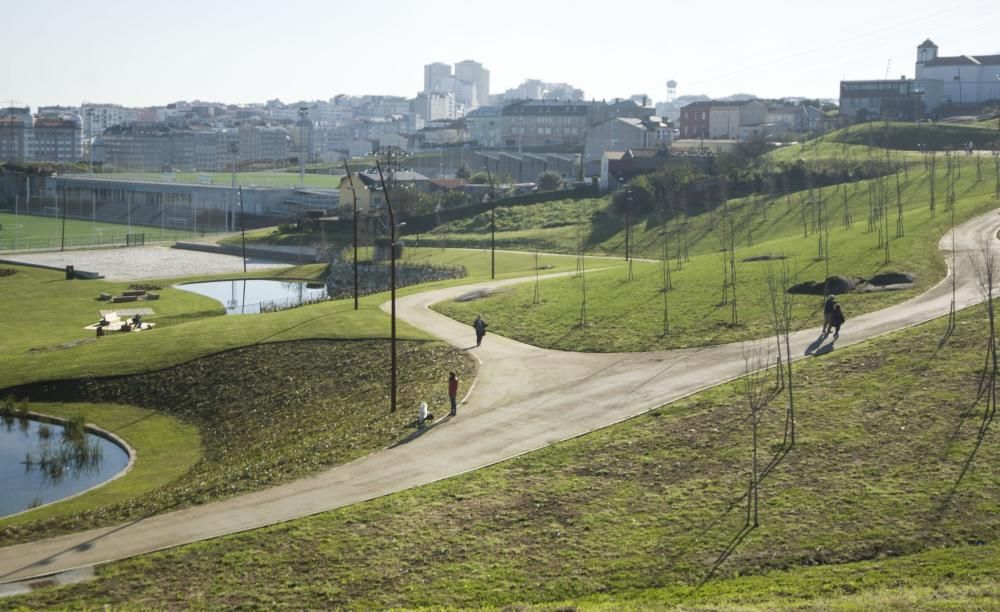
x=136 y=263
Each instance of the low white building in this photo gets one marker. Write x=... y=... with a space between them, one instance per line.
x=965 y=78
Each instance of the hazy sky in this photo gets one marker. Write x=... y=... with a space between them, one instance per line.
x=145 y=53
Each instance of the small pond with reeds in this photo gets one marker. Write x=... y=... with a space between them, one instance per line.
x=252 y=296
x=45 y=462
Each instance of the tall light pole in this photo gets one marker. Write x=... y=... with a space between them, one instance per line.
x=234 y=150
x=392 y=285
x=243 y=235
x=354 y=193
x=303 y=146
x=628 y=230
x=493 y=225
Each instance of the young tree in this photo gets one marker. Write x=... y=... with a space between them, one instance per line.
x=755 y=368
x=985 y=265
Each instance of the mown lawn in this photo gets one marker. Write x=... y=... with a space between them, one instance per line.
x=46 y=315
x=889 y=462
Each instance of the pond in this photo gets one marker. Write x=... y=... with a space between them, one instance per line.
x=258 y=295
x=39 y=465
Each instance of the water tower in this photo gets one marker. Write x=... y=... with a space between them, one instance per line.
x=671 y=89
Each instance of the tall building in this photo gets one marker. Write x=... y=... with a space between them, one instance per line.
x=435 y=74
x=16 y=134
x=473 y=72
x=57 y=139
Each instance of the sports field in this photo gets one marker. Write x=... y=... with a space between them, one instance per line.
x=30 y=232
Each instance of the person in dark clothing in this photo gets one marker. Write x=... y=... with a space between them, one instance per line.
x=837 y=319
x=828 y=306
x=453 y=392
x=480 y=327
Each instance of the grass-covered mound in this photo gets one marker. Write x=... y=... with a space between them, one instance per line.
x=266 y=414
x=916 y=136
x=888 y=462
x=628 y=315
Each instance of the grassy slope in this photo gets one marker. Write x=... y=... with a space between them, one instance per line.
x=888 y=463
x=628 y=316
x=266 y=414
x=188 y=330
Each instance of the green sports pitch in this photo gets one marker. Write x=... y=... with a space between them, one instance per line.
x=31 y=232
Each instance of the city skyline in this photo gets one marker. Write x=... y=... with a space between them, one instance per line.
x=138 y=56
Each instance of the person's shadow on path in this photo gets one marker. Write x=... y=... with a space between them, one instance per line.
x=812 y=348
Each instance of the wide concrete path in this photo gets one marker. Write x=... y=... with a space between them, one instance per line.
x=525 y=398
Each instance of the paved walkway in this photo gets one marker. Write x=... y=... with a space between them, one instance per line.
x=525 y=398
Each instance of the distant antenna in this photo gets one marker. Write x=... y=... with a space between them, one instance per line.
x=888 y=67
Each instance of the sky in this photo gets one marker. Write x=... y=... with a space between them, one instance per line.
x=241 y=51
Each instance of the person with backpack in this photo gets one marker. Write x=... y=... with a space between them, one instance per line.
x=828 y=305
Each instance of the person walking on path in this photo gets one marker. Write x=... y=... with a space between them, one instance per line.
x=453 y=392
x=837 y=319
x=828 y=307
x=480 y=327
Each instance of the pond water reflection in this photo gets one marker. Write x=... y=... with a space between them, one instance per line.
x=39 y=463
x=258 y=295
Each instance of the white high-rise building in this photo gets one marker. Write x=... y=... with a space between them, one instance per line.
x=435 y=75
x=473 y=72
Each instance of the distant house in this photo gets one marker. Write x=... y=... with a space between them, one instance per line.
x=485 y=126
x=626 y=133
x=903 y=99
x=619 y=166
x=723 y=119
x=727 y=119
x=694 y=119
x=367 y=191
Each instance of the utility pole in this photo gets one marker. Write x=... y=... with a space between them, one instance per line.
x=243 y=235
x=234 y=150
x=493 y=225
x=354 y=193
x=392 y=286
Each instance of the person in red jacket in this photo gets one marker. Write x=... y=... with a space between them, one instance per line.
x=453 y=392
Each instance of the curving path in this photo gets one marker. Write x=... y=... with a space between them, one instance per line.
x=525 y=398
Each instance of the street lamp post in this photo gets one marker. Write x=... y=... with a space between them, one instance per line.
x=392 y=285
x=234 y=150
x=243 y=236
x=354 y=193
x=493 y=225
